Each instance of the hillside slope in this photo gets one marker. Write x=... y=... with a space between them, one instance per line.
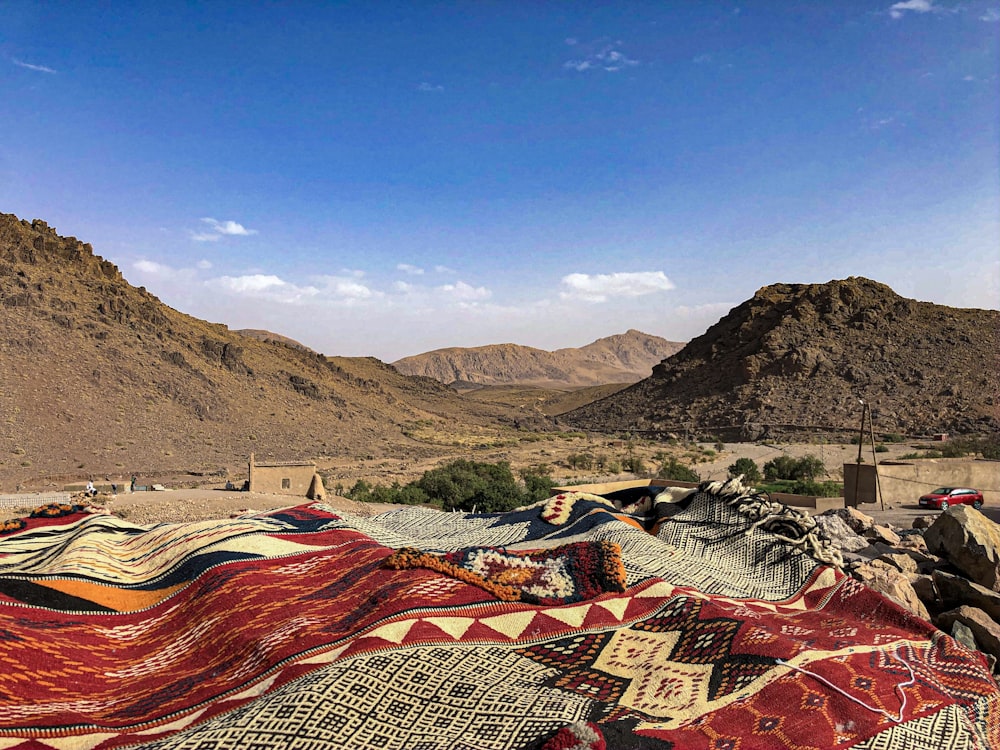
x=100 y=378
x=622 y=358
x=803 y=354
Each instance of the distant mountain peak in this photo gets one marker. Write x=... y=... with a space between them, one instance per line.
x=621 y=358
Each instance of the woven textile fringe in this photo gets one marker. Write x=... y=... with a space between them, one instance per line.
x=792 y=526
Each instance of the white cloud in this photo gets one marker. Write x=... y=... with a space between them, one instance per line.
x=992 y=15
x=252 y=283
x=432 y=87
x=444 y=269
x=29 y=66
x=152 y=268
x=403 y=287
x=407 y=268
x=917 y=6
x=204 y=265
x=607 y=58
x=228 y=227
x=572 y=41
x=266 y=287
x=462 y=292
x=219 y=229
x=598 y=288
x=702 y=59
x=346 y=288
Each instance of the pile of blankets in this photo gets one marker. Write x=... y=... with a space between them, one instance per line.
x=705 y=618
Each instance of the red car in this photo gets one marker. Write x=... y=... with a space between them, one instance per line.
x=944 y=497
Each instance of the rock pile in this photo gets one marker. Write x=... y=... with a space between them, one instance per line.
x=946 y=569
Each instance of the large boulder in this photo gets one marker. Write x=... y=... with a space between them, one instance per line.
x=887 y=580
x=860 y=523
x=970 y=541
x=839 y=533
x=984 y=629
x=954 y=591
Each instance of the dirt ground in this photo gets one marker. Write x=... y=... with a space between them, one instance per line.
x=205 y=501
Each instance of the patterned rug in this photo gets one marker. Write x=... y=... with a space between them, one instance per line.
x=699 y=619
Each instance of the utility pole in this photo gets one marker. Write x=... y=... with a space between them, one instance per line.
x=861 y=442
x=878 y=484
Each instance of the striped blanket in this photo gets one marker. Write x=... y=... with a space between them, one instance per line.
x=708 y=619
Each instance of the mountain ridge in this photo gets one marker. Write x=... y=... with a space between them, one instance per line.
x=620 y=358
x=804 y=354
x=101 y=378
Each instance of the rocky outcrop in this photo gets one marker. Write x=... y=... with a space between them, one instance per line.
x=943 y=569
x=796 y=357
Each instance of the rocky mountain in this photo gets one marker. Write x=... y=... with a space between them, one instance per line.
x=275 y=338
x=622 y=358
x=98 y=377
x=800 y=356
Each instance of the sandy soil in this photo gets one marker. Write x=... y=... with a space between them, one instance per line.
x=211 y=501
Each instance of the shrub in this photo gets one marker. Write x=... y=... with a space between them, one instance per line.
x=990 y=448
x=634 y=464
x=805 y=469
x=674 y=469
x=582 y=461
x=782 y=467
x=817 y=489
x=538 y=483
x=467 y=485
x=747 y=467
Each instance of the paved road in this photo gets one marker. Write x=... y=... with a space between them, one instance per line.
x=902 y=516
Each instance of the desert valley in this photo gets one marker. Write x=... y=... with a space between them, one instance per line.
x=102 y=380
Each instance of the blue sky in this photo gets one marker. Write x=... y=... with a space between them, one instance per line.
x=388 y=178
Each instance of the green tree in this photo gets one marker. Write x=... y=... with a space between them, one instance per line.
x=805 y=469
x=782 y=467
x=538 y=483
x=808 y=469
x=747 y=467
x=467 y=485
x=674 y=469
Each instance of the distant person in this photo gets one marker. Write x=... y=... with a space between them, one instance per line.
x=131 y=487
x=114 y=489
x=91 y=490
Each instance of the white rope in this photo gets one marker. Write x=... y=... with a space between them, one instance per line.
x=899 y=689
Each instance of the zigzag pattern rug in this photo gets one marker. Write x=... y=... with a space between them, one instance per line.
x=715 y=620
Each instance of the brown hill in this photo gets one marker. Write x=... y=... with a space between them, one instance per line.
x=274 y=338
x=101 y=378
x=623 y=358
x=800 y=355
